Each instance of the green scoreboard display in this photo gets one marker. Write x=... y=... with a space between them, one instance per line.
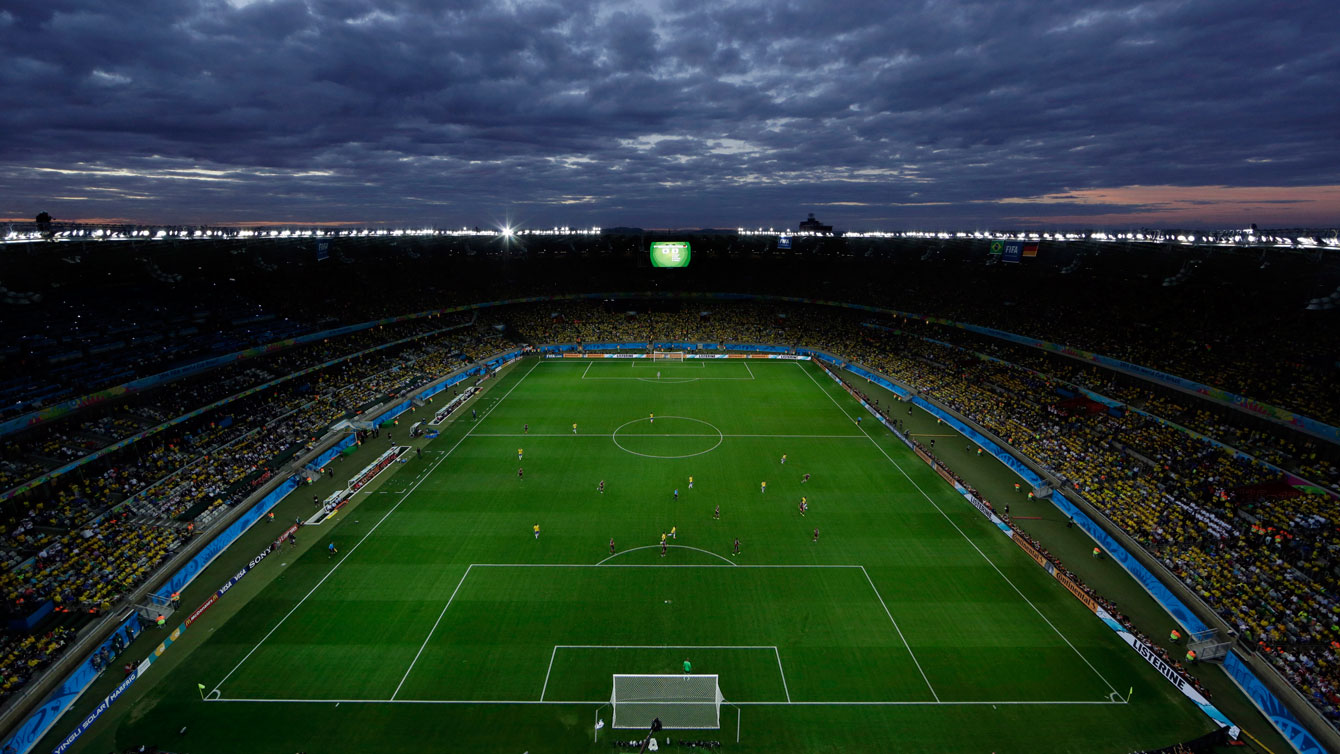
x=670 y=254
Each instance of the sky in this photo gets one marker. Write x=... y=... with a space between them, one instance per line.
x=673 y=113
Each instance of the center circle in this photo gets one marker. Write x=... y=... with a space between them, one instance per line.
x=667 y=433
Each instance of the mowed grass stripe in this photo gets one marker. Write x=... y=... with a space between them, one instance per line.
x=977 y=640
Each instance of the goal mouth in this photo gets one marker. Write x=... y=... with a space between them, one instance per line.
x=680 y=702
x=667 y=356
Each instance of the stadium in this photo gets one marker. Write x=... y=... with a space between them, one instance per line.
x=743 y=490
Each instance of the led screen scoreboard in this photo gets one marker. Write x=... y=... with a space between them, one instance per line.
x=670 y=254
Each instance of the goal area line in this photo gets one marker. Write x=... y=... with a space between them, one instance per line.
x=713 y=647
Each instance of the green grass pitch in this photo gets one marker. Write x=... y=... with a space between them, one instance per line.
x=444 y=624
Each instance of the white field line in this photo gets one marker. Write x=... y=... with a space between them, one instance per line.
x=664 y=646
x=900 y=634
x=603 y=564
x=782 y=673
x=1015 y=702
x=430 y=632
x=969 y=540
x=588 y=368
x=545 y=687
x=374 y=527
x=655 y=434
x=686 y=364
x=668 y=546
x=671 y=379
x=747 y=369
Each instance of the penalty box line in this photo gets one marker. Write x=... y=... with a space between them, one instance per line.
x=777 y=654
x=345 y=559
x=964 y=534
x=605 y=564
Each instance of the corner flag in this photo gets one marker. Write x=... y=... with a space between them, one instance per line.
x=202 y=690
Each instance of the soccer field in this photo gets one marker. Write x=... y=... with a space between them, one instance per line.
x=445 y=624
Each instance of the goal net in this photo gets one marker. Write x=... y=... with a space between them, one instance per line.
x=667 y=356
x=682 y=702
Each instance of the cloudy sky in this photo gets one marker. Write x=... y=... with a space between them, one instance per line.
x=673 y=113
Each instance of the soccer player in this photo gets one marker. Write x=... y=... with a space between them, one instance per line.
x=537 y=530
x=805 y=479
x=574 y=428
x=652 y=418
x=474 y=413
x=688 y=666
x=737 y=546
x=717 y=513
x=520 y=473
x=518 y=454
x=332 y=552
x=601 y=487
x=663 y=536
x=525 y=428
x=763 y=487
x=804 y=506
x=783 y=458
x=674 y=532
x=658 y=374
x=611 y=545
x=676 y=493
x=663 y=545
x=816 y=534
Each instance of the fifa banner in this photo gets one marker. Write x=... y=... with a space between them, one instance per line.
x=41 y=719
x=670 y=254
x=1013 y=251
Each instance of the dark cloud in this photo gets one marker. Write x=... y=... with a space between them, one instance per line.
x=670 y=112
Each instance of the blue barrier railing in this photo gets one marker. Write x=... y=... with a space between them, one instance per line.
x=1275 y=710
x=327 y=455
x=40 y=720
x=223 y=539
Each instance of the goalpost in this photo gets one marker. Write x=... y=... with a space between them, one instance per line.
x=667 y=355
x=682 y=702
